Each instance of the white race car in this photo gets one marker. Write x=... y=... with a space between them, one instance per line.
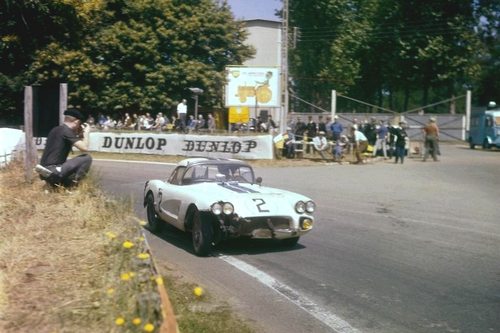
x=218 y=199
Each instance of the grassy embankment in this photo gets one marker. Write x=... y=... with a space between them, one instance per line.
x=77 y=262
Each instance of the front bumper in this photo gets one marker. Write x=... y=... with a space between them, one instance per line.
x=270 y=227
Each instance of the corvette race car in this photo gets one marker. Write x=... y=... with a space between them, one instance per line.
x=218 y=199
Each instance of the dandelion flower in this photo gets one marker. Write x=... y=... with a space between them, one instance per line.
x=143 y=255
x=131 y=274
x=110 y=235
x=119 y=321
x=159 y=281
x=125 y=276
x=149 y=327
x=143 y=223
x=128 y=245
x=110 y=291
x=140 y=239
x=136 y=321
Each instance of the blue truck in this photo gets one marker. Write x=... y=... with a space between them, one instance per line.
x=485 y=128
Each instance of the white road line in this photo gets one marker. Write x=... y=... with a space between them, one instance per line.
x=331 y=320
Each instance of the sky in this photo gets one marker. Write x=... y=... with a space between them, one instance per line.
x=255 y=9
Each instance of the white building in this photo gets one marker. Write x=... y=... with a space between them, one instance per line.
x=265 y=37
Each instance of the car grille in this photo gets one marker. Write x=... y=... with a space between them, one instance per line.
x=250 y=224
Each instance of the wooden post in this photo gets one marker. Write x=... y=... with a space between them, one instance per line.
x=30 y=153
x=63 y=101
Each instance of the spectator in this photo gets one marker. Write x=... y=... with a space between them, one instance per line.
x=381 y=143
x=338 y=149
x=159 y=122
x=401 y=140
x=181 y=115
x=191 y=123
x=289 y=145
x=321 y=125
x=311 y=132
x=431 y=137
x=211 y=123
x=200 y=123
x=360 y=144
x=336 y=128
x=320 y=144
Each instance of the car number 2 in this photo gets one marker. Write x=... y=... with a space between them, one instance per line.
x=260 y=205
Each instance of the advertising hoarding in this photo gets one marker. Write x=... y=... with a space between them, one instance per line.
x=253 y=86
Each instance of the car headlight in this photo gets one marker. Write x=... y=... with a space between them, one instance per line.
x=310 y=206
x=300 y=207
x=228 y=208
x=216 y=208
x=222 y=207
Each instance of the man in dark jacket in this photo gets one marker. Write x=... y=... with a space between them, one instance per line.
x=54 y=167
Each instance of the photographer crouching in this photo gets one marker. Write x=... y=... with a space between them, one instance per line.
x=54 y=167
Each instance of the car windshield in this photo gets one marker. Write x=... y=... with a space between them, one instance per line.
x=208 y=173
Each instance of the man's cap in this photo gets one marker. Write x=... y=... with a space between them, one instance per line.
x=432 y=119
x=75 y=114
x=321 y=133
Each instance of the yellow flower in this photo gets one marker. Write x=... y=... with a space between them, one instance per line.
x=110 y=235
x=132 y=274
x=159 y=281
x=143 y=223
x=140 y=239
x=136 y=321
x=125 y=276
x=149 y=327
x=143 y=255
x=110 y=291
x=119 y=321
x=128 y=245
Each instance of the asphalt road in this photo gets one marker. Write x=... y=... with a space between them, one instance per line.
x=396 y=248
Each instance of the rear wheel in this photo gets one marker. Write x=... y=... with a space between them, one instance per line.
x=154 y=221
x=203 y=235
x=471 y=144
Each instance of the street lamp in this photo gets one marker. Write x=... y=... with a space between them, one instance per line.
x=196 y=92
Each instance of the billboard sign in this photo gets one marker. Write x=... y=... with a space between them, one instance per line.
x=253 y=86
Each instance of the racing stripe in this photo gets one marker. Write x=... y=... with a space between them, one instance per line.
x=237 y=188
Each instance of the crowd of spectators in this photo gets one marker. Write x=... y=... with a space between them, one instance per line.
x=370 y=138
x=146 y=122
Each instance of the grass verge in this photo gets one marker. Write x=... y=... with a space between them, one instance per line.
x=77 y=262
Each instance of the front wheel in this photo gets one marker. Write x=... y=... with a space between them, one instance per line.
x=203 y=235
x=290 y=242
x=486 y=144
x=154 y=221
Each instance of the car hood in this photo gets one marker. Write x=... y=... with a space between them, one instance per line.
x=252 y=199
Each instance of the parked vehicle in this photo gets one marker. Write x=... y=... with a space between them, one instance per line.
x=217 y=199
x=485 y=128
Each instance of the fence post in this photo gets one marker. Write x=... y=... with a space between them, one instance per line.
x=334 y=103
x=468 y=99
x=29 y=156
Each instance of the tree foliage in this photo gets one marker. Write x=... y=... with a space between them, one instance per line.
x=392 y=53
x=127 y=55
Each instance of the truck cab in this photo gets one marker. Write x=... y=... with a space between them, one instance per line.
x=485 y=128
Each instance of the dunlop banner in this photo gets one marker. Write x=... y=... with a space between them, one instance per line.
x=240 y=147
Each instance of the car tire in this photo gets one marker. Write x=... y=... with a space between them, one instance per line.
x=203 y=235
x=154 y=222
x=486 y=145
x=471 y=144
x=290 y=242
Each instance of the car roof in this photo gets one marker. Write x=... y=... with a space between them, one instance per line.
x=207 y=160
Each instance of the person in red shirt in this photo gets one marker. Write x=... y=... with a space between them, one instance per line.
x=431 y=137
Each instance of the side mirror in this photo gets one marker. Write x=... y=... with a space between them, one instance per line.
x=258 y=180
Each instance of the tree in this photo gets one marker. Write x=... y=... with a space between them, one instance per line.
x=142 y=55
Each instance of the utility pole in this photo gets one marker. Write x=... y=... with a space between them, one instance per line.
x=284 y=67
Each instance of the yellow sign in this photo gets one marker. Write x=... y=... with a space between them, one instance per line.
x=239 y=114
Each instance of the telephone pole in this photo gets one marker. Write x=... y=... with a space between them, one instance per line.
x=284 y=67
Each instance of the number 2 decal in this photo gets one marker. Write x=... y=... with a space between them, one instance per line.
x=260 y=204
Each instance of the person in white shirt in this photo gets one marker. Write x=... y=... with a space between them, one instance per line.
x=182 y=114
x=360 y=144
x=320 y=144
